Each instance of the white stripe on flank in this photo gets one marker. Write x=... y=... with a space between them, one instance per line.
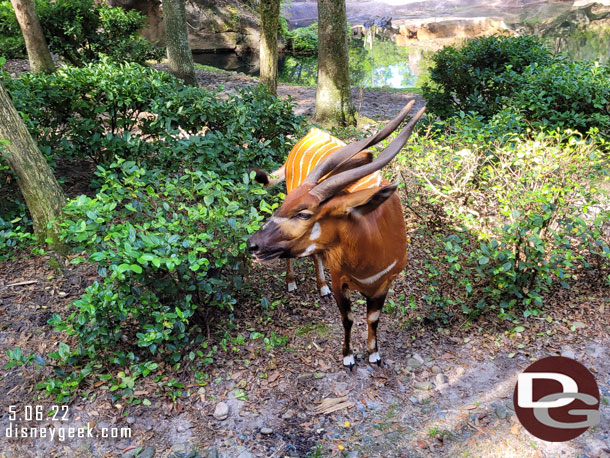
x=323 y=141
x=296 y=154
x=320 y=155
x=374 y=278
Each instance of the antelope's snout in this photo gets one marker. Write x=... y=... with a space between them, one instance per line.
x=262 y=246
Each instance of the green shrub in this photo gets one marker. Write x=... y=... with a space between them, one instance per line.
x=516 y=80
x=107 y=109
x=564 y=94
x=165 y=247
x=477 y=76
x=80 y=31
x=304 y=40
x=504 y=222
x=11 y=39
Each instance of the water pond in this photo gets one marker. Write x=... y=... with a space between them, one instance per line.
x=377 y=62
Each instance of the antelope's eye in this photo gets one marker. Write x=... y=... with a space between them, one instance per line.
x=303 y=215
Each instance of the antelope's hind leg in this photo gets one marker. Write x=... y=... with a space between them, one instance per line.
x=320 y=278
x=373 y=312
x=291 y=283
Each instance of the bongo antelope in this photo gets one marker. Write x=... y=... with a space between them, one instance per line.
x=360 y=232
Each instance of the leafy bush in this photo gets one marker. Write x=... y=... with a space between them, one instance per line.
x=11 y=39
x=80 y=31
x=165 y=247
x=504 y=222
x=473 y=77
x=494 y=76
x=564 y=94
x=107 y=109
x=304 y=40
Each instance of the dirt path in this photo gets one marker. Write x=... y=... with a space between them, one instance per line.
x=444 y=390
x=377 y=104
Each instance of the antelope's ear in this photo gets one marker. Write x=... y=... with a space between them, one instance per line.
x=363 y=202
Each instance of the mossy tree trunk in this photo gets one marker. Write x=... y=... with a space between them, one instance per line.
x=35 y=43
x=43 y=196
x=333 y=95
x=179 y=55
x=270 y=16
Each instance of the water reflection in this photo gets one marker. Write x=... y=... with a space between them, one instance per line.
x=583 y=34
x=380 y=64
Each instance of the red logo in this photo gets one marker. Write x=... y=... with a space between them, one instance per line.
x=557 y=399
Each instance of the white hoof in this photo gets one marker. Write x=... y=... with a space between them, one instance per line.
x=374 y=357
x=324 y=291
x=292 y=286
x=349 y=361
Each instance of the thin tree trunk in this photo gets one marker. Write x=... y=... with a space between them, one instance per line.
x=43 y=196
x=179 y=55
x=333 y=95
x=35 y=43
x=270 y=16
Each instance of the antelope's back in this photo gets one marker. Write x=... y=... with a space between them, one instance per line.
x=310 y=151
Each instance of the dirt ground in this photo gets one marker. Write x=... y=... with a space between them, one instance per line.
x=445 y=389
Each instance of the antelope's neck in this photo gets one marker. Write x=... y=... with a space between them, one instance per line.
x=372 y=252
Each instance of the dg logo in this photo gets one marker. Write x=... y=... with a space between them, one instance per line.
x=557 y=399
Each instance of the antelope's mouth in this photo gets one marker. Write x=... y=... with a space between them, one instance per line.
x=269 y=255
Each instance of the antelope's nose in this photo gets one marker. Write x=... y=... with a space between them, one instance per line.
x=252 y=246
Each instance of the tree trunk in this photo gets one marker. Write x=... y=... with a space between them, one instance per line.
x=333 y=96
x=270 y=15
x=179 y=56
x=35 y=43
x=43 y=196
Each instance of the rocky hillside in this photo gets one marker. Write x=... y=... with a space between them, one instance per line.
x=214 y=25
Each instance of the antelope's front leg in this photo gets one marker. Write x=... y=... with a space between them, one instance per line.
x=320 y=279
x=373 y=311
x=291 y=283
x=345 y=309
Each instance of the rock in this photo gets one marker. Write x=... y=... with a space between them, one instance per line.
x=510 y=405
x=568 y=354
x=424 y=386
x=180 y=447
x=413 y=363
x=393 y=436
x=441 y=379
x=222 y=411
x=460 y=371
x=579 y=324
x=213 y=453
x=266 y=431
x=418 y=357
x=131 y=420
x=436 y=370
x=501 y=411
x=288 y=414
x=353 y=454
x=244 y=453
